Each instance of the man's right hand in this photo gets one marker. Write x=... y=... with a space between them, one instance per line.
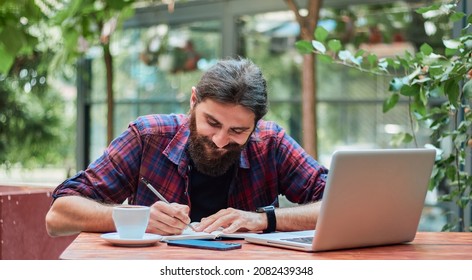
x=168 y=219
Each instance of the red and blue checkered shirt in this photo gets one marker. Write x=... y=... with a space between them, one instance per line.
x=154 y=147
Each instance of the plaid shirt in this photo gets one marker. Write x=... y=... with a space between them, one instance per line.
x=154 y=147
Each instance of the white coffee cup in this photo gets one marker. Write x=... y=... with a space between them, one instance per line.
x=131 y=220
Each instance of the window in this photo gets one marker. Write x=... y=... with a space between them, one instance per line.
x=155 y=68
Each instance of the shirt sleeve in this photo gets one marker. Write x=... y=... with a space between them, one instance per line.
x=113 y=177
x=303 y=179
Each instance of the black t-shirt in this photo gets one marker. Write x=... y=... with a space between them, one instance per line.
x=208 y=194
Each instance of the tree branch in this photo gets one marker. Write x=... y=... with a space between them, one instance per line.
x=307 y=23
x=314 y=7
x=293 y=6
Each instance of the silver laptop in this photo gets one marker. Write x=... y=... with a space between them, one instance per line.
x=372 y=197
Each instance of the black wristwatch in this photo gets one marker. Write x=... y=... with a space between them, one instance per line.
x=271 y=221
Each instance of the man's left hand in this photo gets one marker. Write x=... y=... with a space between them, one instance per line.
x=232 y=220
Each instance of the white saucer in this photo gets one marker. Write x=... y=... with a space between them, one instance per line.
x=148 y=239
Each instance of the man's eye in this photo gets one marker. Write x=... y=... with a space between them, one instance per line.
x=214 y=124
x=237 y=131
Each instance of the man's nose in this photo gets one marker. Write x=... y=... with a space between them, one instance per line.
x=220 y=139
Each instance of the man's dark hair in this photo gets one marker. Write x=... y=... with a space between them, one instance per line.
x=237 y=81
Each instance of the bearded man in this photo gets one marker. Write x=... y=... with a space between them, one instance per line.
x=221 y=165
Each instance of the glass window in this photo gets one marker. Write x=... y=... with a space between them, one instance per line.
x=349 y=101
x=156 y=66
x=154 y=70
x=268 y=40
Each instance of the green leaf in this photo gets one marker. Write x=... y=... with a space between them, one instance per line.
x=407 y=138
x=422 y=97
x=318 y=46
x=70 y=11
x=372 y=59
x=429 y=8
x=118 y=4
x=70 y=40
x=401 y=138
x=462 y=203
x=426 y=49
x=304 y=47
x=418 y=106
x=390 y=102
x=321 y=34
x=7 y=60
x=16 y=41
x=325 y=58
x=360 y=53
x=450 y=52
x=451 y=89
x=404 y=62
x=334 y=45
x=435 y=70
x=127 y=12
x=451 y=172
x=457 y=16
x=412 y=90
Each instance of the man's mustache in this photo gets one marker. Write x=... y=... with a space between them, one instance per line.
x=235 y=147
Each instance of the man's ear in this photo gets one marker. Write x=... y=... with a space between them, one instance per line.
x=193 y=98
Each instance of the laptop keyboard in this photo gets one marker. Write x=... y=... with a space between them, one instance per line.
x=305 y=240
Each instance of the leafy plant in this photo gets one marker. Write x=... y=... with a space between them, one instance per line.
x=33 y=129
x=438 y=86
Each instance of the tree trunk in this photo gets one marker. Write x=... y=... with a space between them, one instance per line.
x=309 y=105
x=308 y=25
x=109 y=76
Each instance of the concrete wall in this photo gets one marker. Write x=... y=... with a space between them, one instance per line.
x=23 y=233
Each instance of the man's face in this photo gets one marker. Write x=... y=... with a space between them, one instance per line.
x=218 y=133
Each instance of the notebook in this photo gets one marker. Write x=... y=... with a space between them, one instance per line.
x=371 y=198
x=188 y=233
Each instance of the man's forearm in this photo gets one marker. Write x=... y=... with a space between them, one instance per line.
x=301 y=217
x=73 y=214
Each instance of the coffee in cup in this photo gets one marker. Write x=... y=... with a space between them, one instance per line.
x=131 y=220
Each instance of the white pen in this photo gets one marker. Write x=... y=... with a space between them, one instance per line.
x=159 y=196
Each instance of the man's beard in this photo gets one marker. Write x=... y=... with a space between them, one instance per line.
x=206 y=156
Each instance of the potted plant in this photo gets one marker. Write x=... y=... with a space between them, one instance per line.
x=438 y=87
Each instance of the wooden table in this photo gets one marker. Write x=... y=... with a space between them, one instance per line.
x=426 y=246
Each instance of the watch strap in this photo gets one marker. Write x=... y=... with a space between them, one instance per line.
x=271 y=220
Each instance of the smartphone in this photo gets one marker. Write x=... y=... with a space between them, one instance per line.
x=204 y=244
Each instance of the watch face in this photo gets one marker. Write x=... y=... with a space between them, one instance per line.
x=265 y=208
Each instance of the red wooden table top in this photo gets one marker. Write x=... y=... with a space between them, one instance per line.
x=426 y=246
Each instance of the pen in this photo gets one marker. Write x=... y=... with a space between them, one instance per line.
x=159 y=195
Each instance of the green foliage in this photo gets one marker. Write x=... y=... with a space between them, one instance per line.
x=87 y=23
x=33 y=131
x=16 y=19
x=38 y=39
x=422 y=78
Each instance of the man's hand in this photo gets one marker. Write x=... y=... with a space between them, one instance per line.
x=168 y=219
x=232 y=220
x=301 y=217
